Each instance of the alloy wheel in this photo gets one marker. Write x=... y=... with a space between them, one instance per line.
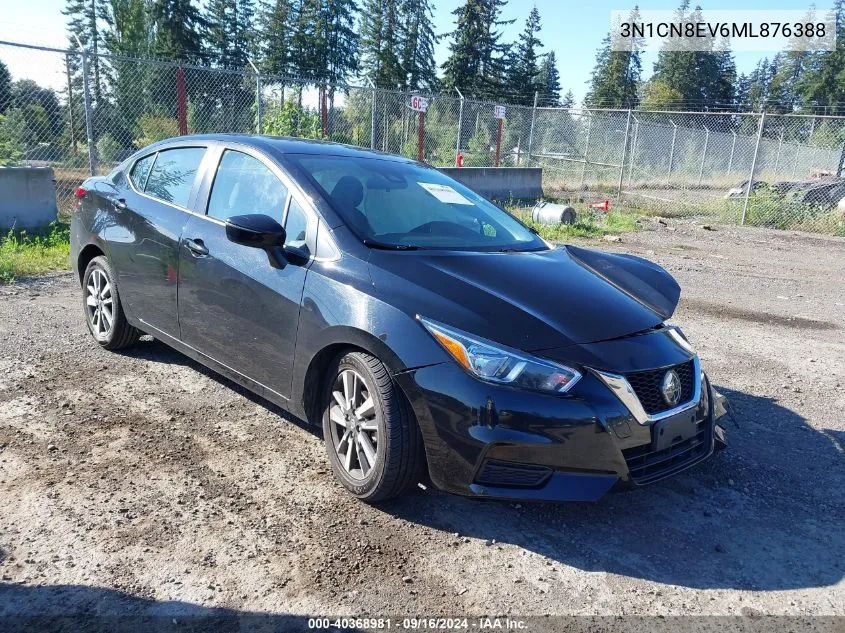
x=353 y=424
x=99 y=303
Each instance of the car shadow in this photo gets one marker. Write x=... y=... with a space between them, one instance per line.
x=763 y=515
x=77 y=608
x=151 y=349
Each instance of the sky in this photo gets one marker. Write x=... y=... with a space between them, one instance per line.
x=573 y=30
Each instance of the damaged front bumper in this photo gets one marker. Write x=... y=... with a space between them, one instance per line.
x=491 y=441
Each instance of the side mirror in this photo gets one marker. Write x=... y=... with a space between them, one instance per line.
x=259 y=231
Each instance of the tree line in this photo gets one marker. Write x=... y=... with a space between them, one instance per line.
x=793 y=81
x=390 y=41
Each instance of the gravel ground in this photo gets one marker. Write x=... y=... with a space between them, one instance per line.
x=140 y=485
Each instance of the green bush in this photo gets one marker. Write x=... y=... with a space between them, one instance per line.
x=290 y=119
x=152 y=128
x=108 y=149
x=11 y=143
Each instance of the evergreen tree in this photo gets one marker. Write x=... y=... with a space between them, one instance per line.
x=230 y=39
x=823 y=80
x=476 y=59
x=83 y=24
x=337 y=42
x=128 y=33
x=177 y=27
x=549 y=81
x=757 y=90
x=275 y=36
x=793 y=65
x=128 y=28
x=693 y=78
x=743 y=84
x=380 y=43
x=524 y=71
x=568 y=100
x=718 y=75
x=616 y=74
x=230 y=35
x=418 y=42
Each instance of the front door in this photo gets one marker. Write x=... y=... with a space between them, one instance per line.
x=233 y=305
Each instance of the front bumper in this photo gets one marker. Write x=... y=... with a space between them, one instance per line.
x=490 y=441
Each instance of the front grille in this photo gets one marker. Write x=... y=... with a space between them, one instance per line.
x=646 y=384
x=505 y=474
x=646 y=465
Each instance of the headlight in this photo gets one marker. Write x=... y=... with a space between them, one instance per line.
x=502 y=365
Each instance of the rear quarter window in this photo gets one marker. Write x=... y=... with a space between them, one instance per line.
x=141 y=170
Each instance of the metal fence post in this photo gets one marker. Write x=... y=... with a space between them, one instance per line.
x=531 y=132
x=70 y=105
x=258 y=110
x=89 y=115
x=624 y=153
x=780 y=147
x=672 y=150
x=703 y=154
x=753 y=167
x=586 y=151
x=733 y=147
x=372 y=112
x=460 y=125
x=633 y=150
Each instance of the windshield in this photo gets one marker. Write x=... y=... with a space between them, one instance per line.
x=392 y=204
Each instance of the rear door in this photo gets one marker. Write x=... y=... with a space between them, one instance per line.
x=144 y=241
x=233 y=305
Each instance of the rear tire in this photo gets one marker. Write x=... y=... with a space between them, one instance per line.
x=103 y=311
x=374 y=444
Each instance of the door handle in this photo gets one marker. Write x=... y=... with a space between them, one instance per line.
x=120 y=203
x=197 y=247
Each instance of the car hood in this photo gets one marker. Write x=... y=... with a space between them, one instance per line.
x=529 y=300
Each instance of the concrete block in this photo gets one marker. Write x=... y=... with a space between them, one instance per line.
x=500 y=183
x=27 y=197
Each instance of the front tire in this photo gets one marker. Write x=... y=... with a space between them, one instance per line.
x=103 y=310
x=374 y=444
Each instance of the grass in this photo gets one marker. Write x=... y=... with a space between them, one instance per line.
x=589 y=224
x=23 y=254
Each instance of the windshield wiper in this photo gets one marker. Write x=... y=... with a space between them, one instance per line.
x=391 y=247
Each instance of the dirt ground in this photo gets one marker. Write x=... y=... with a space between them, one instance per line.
x=141 y=486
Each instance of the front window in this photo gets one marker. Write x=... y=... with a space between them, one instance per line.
x=244 y=184
x=393 y=204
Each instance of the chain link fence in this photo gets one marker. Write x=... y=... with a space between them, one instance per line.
x=82 y=114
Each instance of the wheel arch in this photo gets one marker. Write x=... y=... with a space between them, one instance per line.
x=89 y=252
x=332 y=342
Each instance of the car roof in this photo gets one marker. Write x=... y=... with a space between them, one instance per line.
x=283 y=145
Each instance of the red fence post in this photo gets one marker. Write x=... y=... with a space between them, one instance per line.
x=181 y=101
x=421 y=137
x=498 y=142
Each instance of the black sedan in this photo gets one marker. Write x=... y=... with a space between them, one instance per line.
x=427 y=330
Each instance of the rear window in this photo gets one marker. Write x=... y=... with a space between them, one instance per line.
x=173 y=174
